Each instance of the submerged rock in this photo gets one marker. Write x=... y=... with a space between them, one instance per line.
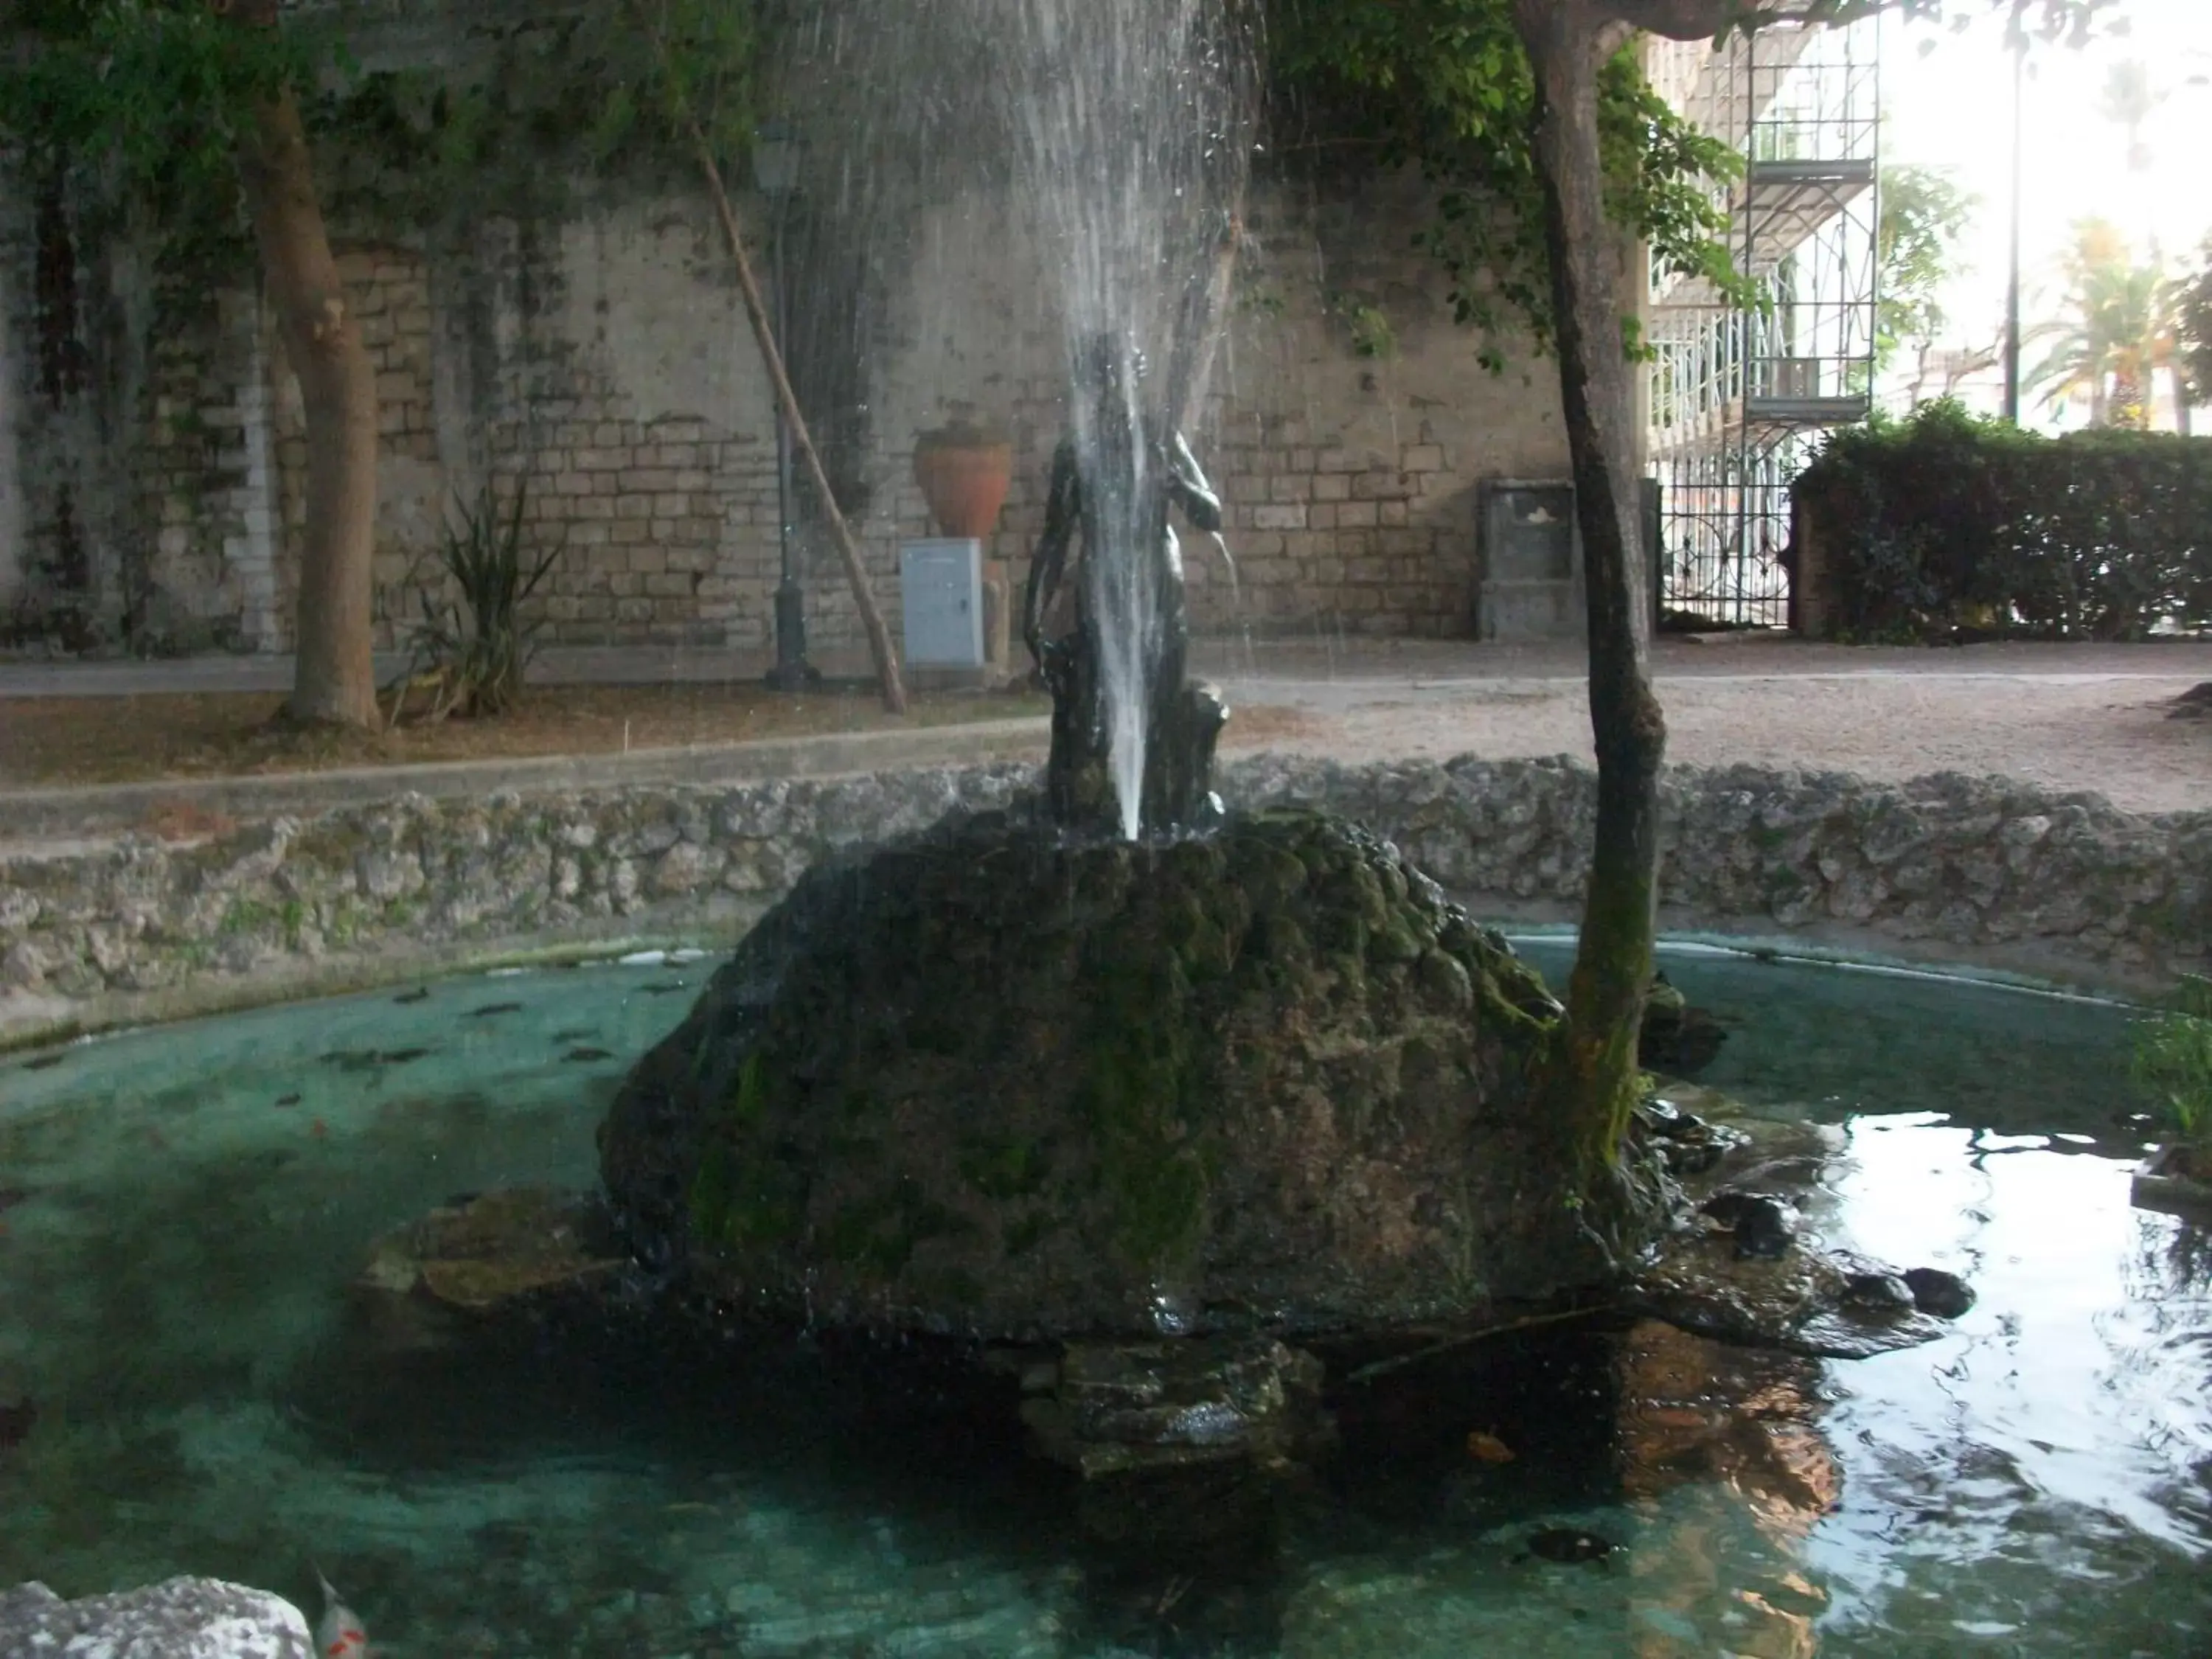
x=1675 y=1038
x=516 y=1250
x=1943 y=1294
x=1118 y=1408
x=1179 y=1443
x=1569 y=1545
x=1761 y=1224
x=1807 y=1301
x=178 y=1619
x=1686 y=1144
x=987 y=1081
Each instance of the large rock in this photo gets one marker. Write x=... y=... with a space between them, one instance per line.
x=987 y=1081
x=178 y=1618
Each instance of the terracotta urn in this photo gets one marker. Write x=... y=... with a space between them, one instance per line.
x=964 y=468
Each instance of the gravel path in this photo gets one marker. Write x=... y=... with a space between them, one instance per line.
x=2071 y=723
x=2068 y=717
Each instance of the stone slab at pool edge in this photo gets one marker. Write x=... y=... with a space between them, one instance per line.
x=1978 y=872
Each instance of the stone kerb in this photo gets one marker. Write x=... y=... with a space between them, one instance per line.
x=1946 y=868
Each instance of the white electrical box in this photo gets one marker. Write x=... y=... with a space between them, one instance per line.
x=942 y=580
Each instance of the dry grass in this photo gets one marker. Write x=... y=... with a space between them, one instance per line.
x=60 y=741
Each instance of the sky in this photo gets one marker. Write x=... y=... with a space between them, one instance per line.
x=1947 y=100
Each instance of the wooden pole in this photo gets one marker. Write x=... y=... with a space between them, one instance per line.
x=849 y=552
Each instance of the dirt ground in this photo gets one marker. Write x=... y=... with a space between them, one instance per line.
x=2110 y=734
x=51 y=741
x=2072 y=717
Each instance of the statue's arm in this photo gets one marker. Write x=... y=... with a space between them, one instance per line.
x=1062 y=509
x=1187 y=488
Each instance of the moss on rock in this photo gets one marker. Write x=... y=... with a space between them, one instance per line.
x=986 y=1079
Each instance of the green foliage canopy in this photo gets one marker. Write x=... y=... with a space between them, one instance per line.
x=1444 y=85
x=2192 y=324
x=139 y=106
x=603 y=86
x=1922 y=217
x=142 y=103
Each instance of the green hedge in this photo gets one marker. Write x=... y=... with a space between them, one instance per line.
x=1945 y=525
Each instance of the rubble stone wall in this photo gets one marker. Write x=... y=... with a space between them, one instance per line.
x=1949 y=868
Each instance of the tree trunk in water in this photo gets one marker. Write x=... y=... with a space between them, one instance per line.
x=848 y=553
x=1591 y=1075
x=335 y=679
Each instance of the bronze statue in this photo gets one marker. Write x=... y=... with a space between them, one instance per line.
x=1096 y=492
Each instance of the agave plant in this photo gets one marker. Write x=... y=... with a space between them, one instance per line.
x=473 y=645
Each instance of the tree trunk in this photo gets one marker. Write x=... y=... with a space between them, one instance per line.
x=848 y=553
x=1591 y=1077
x=2128 y=409
x=335 y=678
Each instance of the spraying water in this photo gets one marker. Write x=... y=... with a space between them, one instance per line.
x=1125 y=123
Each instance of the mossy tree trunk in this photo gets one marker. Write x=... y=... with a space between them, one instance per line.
x=334 y=678
x=1592 y=1077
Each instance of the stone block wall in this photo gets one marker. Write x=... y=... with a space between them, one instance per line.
x=662 y=526
x=218 y=576
x=1350 y=481
x=606 y=361
x=60 y=487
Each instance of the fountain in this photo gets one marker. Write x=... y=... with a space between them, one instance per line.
x=1151 y=1128
x=1131 y=141
x=1132 y=743
x=1127 y=1094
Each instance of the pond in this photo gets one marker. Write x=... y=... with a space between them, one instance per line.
x=183 y=1210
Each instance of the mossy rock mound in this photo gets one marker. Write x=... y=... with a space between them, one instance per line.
x=987 y=1081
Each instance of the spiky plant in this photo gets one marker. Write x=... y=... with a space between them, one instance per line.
x=473 y=645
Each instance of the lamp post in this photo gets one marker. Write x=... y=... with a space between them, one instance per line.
x=775 y=173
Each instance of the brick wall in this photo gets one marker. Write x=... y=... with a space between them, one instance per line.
x=665 y=527
x=607 y=363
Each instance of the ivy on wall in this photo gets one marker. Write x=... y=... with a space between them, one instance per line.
x=1444 y=85
x=607 y=87
x=133 y=109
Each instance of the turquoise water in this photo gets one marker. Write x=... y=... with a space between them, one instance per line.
x=182 y=1209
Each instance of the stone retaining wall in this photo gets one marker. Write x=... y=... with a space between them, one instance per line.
x=1966 y=870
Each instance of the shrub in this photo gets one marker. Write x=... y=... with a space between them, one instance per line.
x=469 y=653
x=2173 y=1061
x=1946 y=523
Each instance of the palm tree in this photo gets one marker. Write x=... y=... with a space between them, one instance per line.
x=2128 y=100
x=2118 y=331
